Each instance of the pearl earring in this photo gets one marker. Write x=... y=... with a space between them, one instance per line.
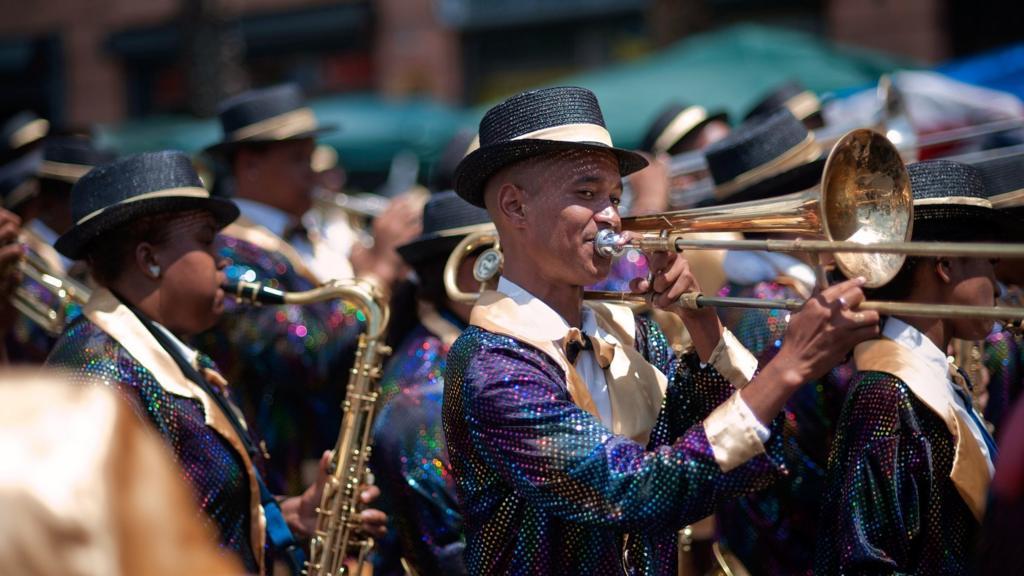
x=154 y=270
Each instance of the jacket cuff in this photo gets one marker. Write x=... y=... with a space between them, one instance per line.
x=732 y=433
x=733 y=361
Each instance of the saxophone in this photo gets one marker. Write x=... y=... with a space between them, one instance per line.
x=336 y=536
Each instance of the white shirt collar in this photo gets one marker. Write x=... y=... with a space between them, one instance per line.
x=913 y=339
x=520 y=296
x=273 y=219
x=190 y=354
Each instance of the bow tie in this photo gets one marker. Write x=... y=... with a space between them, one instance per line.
x=577 y=341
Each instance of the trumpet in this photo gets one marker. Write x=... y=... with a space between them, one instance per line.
x=50 y=316
x=335 y=537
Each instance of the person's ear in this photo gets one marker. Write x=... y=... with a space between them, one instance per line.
x=944 y=270
x=148 y=261
x=512 y=204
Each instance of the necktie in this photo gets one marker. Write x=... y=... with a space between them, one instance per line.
x=962 y=384
x=577 y=341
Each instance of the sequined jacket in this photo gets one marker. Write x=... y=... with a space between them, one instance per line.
x=1004 y=359
x=110 y=346
x=773 y=530
x=293 y=360
x=546 y=488
x=410 y=460
x=901 y=497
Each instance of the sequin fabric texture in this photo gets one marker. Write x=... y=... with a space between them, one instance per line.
x=290 y=362
x=1004 y=359
x=215 y=471
x=546 y=489
x=771 y=529
x=890 y=506
x=411 y=466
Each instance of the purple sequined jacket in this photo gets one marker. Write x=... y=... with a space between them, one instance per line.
x=545 y=488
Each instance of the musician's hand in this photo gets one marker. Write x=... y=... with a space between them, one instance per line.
x=300 y=511
x=372 y=521
x=824 y=331
x=399 y=224
x=11 y=252
x=672 y=278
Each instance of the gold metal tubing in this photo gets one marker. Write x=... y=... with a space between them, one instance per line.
x=696 y=300
x=951 y=249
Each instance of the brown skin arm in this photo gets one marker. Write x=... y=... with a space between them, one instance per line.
x=11 y=252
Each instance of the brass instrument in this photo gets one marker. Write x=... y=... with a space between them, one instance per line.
x=50 y=317
x=864 y=200
x=336 y=536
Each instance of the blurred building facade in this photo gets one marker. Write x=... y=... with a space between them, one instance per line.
x=84 y=61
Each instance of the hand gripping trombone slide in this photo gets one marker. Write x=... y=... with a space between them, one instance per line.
x=337 y=535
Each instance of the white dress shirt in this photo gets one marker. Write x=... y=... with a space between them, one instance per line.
x=912 y=338
x=586 y=363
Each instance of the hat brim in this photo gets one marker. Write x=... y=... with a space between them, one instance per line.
x=75 y=242
x=434 y=244
x=476 y=169
x=228 y=145
x=995 y=223
x=720 y=116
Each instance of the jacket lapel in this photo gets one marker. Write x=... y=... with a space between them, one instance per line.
x=245 y=229
x=970 y=468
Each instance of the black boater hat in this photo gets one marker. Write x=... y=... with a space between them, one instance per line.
x=951 y=198
x=133 y=187
x=793 y=96
x=19 y=134
x=1004 y=180
x=272 y=114
x=675 y=122
x=447 y=219
x=763 y=158
x=68 y=158
x=534 y=123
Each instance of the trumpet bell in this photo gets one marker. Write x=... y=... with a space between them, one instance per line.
x=866 y=198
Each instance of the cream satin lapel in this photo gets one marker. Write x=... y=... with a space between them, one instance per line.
x=970 y=469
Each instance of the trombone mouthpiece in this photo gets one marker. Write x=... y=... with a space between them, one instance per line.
x=606 y=243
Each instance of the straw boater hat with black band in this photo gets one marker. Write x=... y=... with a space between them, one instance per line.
x=68 y=158
x=133 y=187
x=273 y=114
x=792 y=96
x=764 y=157
x=675 y=123
x=532 y=124
x=447 y=219
x=19 y=133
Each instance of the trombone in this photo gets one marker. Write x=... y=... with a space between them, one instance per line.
x=861 y=212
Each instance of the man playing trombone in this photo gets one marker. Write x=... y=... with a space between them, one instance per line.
x=579 y=442
x=911 y=463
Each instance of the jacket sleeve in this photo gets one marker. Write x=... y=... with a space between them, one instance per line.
x=526 y=427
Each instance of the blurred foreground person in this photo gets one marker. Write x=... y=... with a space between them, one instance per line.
x=410 y=459
x=910 y=467
x=88 y=490
x=147 y=229
x=579 y=442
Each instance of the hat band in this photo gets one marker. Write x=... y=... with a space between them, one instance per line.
x=181 y=192
x=804 y=152
x=278 y=127
x=954 y=201
x=1013 y=199
x=467 y=229
x=63 y=170
x=680 y=126
x=29 y=133
x=581 y=132
x=803 y=104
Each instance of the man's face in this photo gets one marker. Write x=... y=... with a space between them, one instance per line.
x=283 y=168
x=569 y=197
x=972 y=283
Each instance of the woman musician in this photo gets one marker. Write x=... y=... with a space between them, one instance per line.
x=146 y=227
